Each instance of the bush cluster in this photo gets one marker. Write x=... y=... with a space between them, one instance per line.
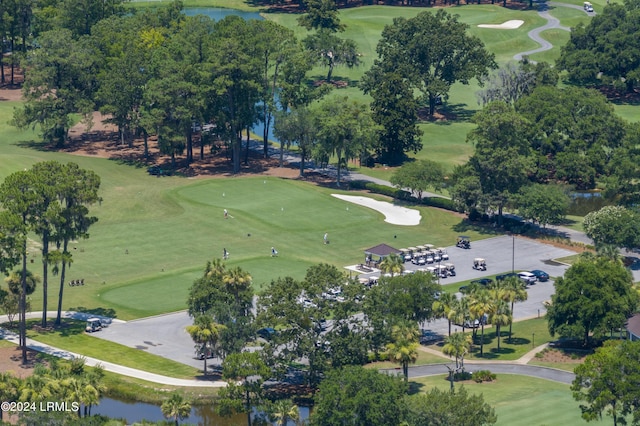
x=483 y=376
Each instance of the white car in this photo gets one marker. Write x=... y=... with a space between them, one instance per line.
x=527 y=277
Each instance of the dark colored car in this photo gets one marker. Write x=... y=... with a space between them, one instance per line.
x=266 y=333
x=503 y=277
x=483 y=281
x=542 y=276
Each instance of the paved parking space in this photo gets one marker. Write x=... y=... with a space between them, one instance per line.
x=165 y=335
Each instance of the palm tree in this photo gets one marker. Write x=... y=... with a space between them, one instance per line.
x=481 y=305
x=75 y=389
x=404 y=348
x=205 y=334
x=608 y=250
x=9 y=386
x=513 y=291
x=283 y=411
x=444 y=307
x=236 y=280
x=499 y=316
x=176 y=408
x=215 y=268
x=457 y=345
x=392 y=264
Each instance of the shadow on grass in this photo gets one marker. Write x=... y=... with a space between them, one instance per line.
x=35 y=145
x=415 y=388
x=517 y=341
x=455 y=113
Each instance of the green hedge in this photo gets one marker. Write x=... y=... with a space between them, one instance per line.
x=399 y=194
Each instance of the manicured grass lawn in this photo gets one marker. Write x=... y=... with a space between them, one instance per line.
x=230 y=4
x=556 y=37
x=569 y=259
x=520 y=400
x=569 y=17
x=424 y=358
x=71 y=337
x=522 y=340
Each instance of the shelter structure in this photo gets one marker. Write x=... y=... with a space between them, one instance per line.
x=374 y=255
x=633 y=328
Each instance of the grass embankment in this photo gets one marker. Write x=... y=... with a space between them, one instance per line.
x=71 y=337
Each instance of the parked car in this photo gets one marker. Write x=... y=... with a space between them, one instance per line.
x=527 y=277
x=266 y=333
x=503 y=277
x=542 y=276
x=204 y=353
x=483 y=282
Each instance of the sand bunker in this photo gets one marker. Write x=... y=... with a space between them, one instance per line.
x=392 y=214
x=509 y=25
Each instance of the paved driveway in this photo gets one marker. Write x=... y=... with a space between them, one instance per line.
x=165 y=335
x=162 y=335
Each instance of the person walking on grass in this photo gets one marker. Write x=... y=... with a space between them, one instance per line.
x=225 y=254
x=226 y=214
x=274 y=252
x=326 y=238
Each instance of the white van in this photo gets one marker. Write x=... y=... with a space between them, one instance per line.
x=588 y=6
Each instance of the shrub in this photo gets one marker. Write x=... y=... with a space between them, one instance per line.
x=483 y=376
x=539 y=354
x=463 y=375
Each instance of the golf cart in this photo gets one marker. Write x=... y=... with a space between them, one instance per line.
x=405 y=254
x=442 y=271
x=451 y=269
x=479 y=264
x=93 y=324
x=463 y=242
x=443 y=253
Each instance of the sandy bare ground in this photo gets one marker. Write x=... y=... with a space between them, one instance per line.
x=395 y=215
x=509 y=25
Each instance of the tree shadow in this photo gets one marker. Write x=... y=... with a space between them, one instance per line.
x=466 y=225
x=415 y=388
x=517 y=341
x=103 y=312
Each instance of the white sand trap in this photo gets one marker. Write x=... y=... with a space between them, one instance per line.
x=392 y=214
x=509 y=25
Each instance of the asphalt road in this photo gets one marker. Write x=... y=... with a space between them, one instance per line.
x=498 y=368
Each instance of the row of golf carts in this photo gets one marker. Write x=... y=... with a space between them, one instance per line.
x=422 y=255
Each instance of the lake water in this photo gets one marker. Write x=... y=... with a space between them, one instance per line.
x=201 y=415
x=219 y=13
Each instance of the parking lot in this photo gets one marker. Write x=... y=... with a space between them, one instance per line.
x=165 y=335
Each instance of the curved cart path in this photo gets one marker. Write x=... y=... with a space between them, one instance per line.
x=552 y=23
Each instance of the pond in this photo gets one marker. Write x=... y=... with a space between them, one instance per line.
x=219 y=13
x=583 y=202
x=201 y=415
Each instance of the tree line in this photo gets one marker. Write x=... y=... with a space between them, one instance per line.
x=51 y=200
x=160 y=73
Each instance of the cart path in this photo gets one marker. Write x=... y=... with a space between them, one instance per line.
x=505 y=367
x=93 y=362
x=552 y=23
